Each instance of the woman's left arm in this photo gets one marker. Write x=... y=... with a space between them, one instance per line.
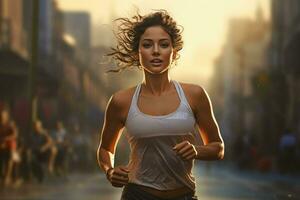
x=213 y=145
x=213 y=148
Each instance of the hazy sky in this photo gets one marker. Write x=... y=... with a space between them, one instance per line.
x=205 y=25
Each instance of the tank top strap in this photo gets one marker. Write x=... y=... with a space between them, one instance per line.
x=135 y=96
x=182 y=96
x=180 y=91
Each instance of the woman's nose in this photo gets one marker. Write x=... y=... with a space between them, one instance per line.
x=155 y=50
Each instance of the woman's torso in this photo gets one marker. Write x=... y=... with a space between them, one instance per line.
x=155 y=125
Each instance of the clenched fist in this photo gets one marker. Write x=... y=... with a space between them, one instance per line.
x=118 y=176
x=186 y=150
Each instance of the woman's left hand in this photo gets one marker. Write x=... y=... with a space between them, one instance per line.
x=186 y=150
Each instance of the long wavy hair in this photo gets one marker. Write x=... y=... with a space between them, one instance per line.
x=130 y=31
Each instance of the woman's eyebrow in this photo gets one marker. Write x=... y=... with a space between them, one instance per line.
x=148 y=39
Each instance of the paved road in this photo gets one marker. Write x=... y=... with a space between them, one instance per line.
x=224 y=183
x=213 y=183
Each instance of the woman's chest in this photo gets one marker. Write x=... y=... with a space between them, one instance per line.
x=157 y=106
x=179 y=122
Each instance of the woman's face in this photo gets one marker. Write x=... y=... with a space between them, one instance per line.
x=155 y=50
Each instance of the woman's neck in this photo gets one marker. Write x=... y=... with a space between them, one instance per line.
x=156 y=84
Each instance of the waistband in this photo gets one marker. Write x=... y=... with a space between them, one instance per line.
x=136 y=192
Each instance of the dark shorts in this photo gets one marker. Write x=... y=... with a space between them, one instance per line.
x=4 y=154
x=133 y=192
x=41 y=156
x=4 y=158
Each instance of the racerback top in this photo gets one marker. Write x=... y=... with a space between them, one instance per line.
x=153 y=162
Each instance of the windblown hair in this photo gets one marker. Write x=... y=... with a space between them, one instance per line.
x=129 y=34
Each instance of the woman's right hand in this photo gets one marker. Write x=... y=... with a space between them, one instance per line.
x=118 y=176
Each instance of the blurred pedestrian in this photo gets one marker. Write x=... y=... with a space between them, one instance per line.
x=159 y=114
x=80 y=149
x=62 y=144
x=43 y=151
x=7 y=134
x=287 y=152
x=16 y=158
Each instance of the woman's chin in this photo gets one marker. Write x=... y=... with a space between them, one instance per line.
x=156 y=69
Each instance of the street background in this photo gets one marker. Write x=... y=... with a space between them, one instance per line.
x=54 y=90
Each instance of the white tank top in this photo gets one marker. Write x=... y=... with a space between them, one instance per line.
x=153 y=162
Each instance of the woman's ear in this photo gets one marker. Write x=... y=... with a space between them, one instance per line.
x=174 y=55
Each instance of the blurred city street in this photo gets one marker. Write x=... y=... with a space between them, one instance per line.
x=55 y=56
x=213 y=183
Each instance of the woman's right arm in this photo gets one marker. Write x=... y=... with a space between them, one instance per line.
x=112 y=128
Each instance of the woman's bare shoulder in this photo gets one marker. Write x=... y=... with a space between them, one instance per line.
x=119 y=104
x=194 y=94
x=122 y=98
x=192 y=90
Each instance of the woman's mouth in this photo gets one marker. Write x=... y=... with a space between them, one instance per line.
x=156 y=62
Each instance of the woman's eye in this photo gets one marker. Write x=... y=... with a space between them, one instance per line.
x=146 y=45
x=164 y=45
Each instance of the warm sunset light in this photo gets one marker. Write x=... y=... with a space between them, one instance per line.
x=87 y=114
x=205 y=25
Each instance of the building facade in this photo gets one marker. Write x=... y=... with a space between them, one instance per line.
x=284 y=56
x=235 y=88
